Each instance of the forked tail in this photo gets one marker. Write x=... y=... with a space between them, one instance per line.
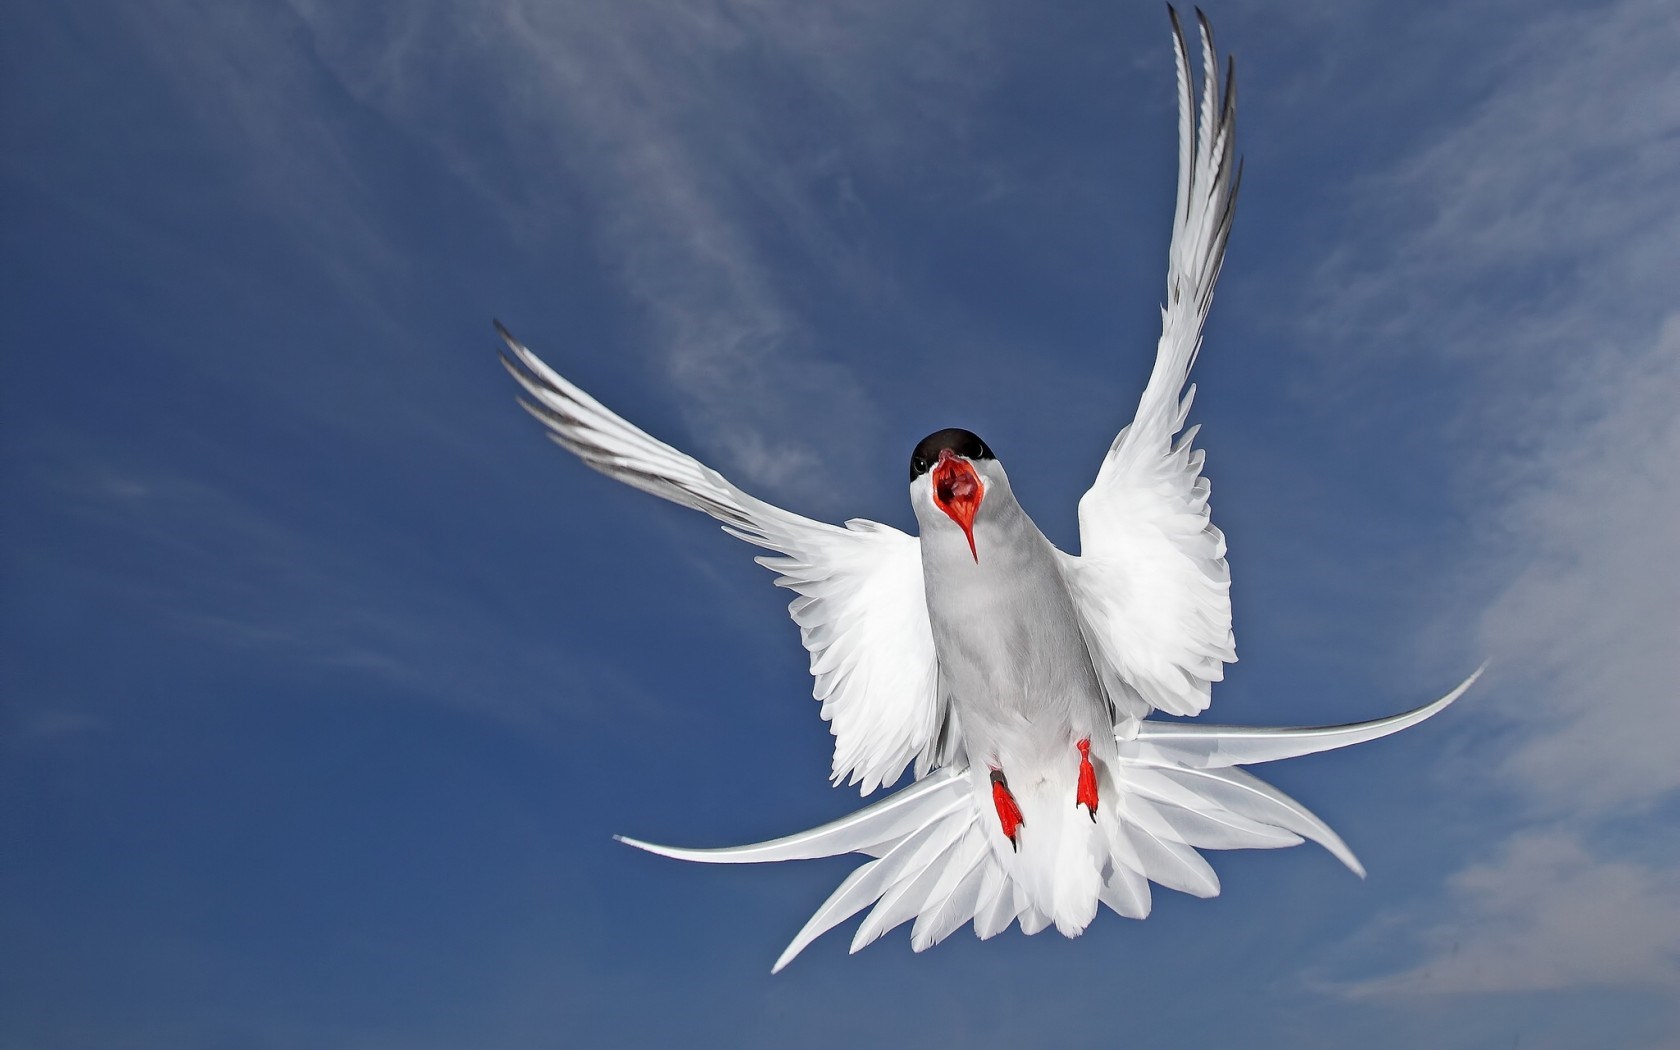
x=1181 y=790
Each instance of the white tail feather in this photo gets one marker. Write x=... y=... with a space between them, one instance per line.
x=942 y=861
x=860 y=889
x=870 y=830
x=909 y=894
x=1212 y=746
x=996 y=909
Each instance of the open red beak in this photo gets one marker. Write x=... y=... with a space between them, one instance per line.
x=957 y=491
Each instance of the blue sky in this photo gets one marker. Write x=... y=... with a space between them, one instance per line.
x=324 y=679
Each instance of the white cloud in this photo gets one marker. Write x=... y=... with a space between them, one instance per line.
x=1590 y=622
x=1529 y=247
x=1543 y=915
x=1535 y=230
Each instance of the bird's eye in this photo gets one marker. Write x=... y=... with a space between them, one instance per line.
x=918 y=467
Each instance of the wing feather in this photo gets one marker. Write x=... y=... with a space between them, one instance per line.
x=861 y=610
x=1151 y=581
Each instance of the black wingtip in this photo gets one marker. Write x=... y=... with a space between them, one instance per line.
x=507 y=336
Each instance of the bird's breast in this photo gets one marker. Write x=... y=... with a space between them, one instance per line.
x=1011 y=653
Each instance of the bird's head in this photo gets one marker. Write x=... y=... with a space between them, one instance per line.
x=953 y=467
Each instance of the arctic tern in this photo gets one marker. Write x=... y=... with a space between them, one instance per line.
x=1014 y=680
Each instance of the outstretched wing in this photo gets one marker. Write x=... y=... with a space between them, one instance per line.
x=861 y=610
x=1151 y=580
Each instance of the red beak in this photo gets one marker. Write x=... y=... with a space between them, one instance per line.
x=957 y=491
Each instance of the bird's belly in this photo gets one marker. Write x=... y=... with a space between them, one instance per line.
x=1015 y=665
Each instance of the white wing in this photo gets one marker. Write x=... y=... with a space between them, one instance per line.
x=862 y=612
x=1151 y=582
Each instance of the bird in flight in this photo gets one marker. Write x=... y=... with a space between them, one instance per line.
x=1016 y=681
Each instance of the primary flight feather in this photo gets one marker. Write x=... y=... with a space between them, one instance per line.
x=1015 y=680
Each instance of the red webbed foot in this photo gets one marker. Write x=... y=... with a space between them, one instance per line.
x=1008 y=810
x=1087 y=794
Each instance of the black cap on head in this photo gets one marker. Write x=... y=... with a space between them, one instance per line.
x=962 y=442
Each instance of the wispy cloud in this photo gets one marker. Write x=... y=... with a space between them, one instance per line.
x=1529 y=248
x=1589 y=623
x=226 y=570
x=275 y=136
x=1546 y=913
x=51 y=724
x=713 y=152
x=717 y=157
